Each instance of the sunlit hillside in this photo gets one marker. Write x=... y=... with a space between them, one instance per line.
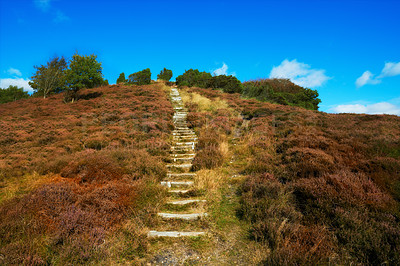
x=80 y=181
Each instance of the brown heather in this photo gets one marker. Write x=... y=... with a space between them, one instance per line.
x=99 y=158
x=320 y=188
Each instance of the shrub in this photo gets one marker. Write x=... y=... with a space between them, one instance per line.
x=193 y=77
x=281 y=91
x=12 y=93
x=165 y=74
x=140 y=78
x=121 y=78
x=229 y=84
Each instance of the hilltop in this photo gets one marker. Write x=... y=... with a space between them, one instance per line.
x=80 y=182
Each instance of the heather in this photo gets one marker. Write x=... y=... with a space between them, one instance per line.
x=75 y=176
x=318 y=188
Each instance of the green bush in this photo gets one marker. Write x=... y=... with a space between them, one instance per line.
x=140 y=78
x=281 y=91
x=194 y=78
x=165 y=74
x=121 y=78
x=229 y=84
x=12 y=93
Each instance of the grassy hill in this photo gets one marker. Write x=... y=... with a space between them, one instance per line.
x=286 y=185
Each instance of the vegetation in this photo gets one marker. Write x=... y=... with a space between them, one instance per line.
x=281 y=91
x=77 y=182
x=165 y=74
x=121 y=78
x=12 y=93
x=285 y=185
x=318 y=188
x=229 y=84
x=50 y=78
x=84 y=72
x=140 y=78
x=195 y=78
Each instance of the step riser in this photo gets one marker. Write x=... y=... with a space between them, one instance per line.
x=174 y=234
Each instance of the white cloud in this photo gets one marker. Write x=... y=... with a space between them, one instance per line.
x=43 y=5
x=19 y=82
x=223 y=71
x=60 y=17
x=376 y=108
x=299 y=73
x=391 y=69
x=14 y=71
x=366 y=78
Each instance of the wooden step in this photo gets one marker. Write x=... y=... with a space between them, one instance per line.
x=177 y=183
x=174 y=234
x=184 y=202
x=182 y=216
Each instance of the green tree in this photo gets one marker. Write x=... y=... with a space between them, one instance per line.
x=229 y=84
x=121 y=78
x=165 y=74
x=49 y=78
x=84 y=72
x=140 y=78
x=194 y=78
x=12 y=93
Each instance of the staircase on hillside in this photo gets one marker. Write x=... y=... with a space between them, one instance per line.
x=184 y=208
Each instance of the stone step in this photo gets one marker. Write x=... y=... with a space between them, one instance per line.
x=188 y=165
x=182 y=159
x=177 y=183
x=182 y=216
x=182 y=155
x=178 y=191
x=184 y=202
x=186 y=143
x=182 y=175
x=174 y=234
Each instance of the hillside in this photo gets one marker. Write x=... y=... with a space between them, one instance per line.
x=80 y=182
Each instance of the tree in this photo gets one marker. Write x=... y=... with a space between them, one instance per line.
x=140 y=78
x=84 y=72
x=193 y=77
x=12 y=93
x=165 y=74
x=49 y=78
x=121 y=78
x=229 y=84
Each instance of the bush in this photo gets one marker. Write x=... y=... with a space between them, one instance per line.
x=194 y=78
x=165 y=74
x=121 y=78
x=12 y=93
x=229 y=84
x=140 y=78
x=281 y=91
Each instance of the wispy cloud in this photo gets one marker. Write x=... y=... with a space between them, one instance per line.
x=43 y=5
x=223 y=71
x=60 y=17
x=375 y=108
x=366 y=78
x=390 y=69
x=19 y=82
x=14 y=71
x=46 y=7
x=299 y=73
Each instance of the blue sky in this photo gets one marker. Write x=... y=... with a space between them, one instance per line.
x=347 y=50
